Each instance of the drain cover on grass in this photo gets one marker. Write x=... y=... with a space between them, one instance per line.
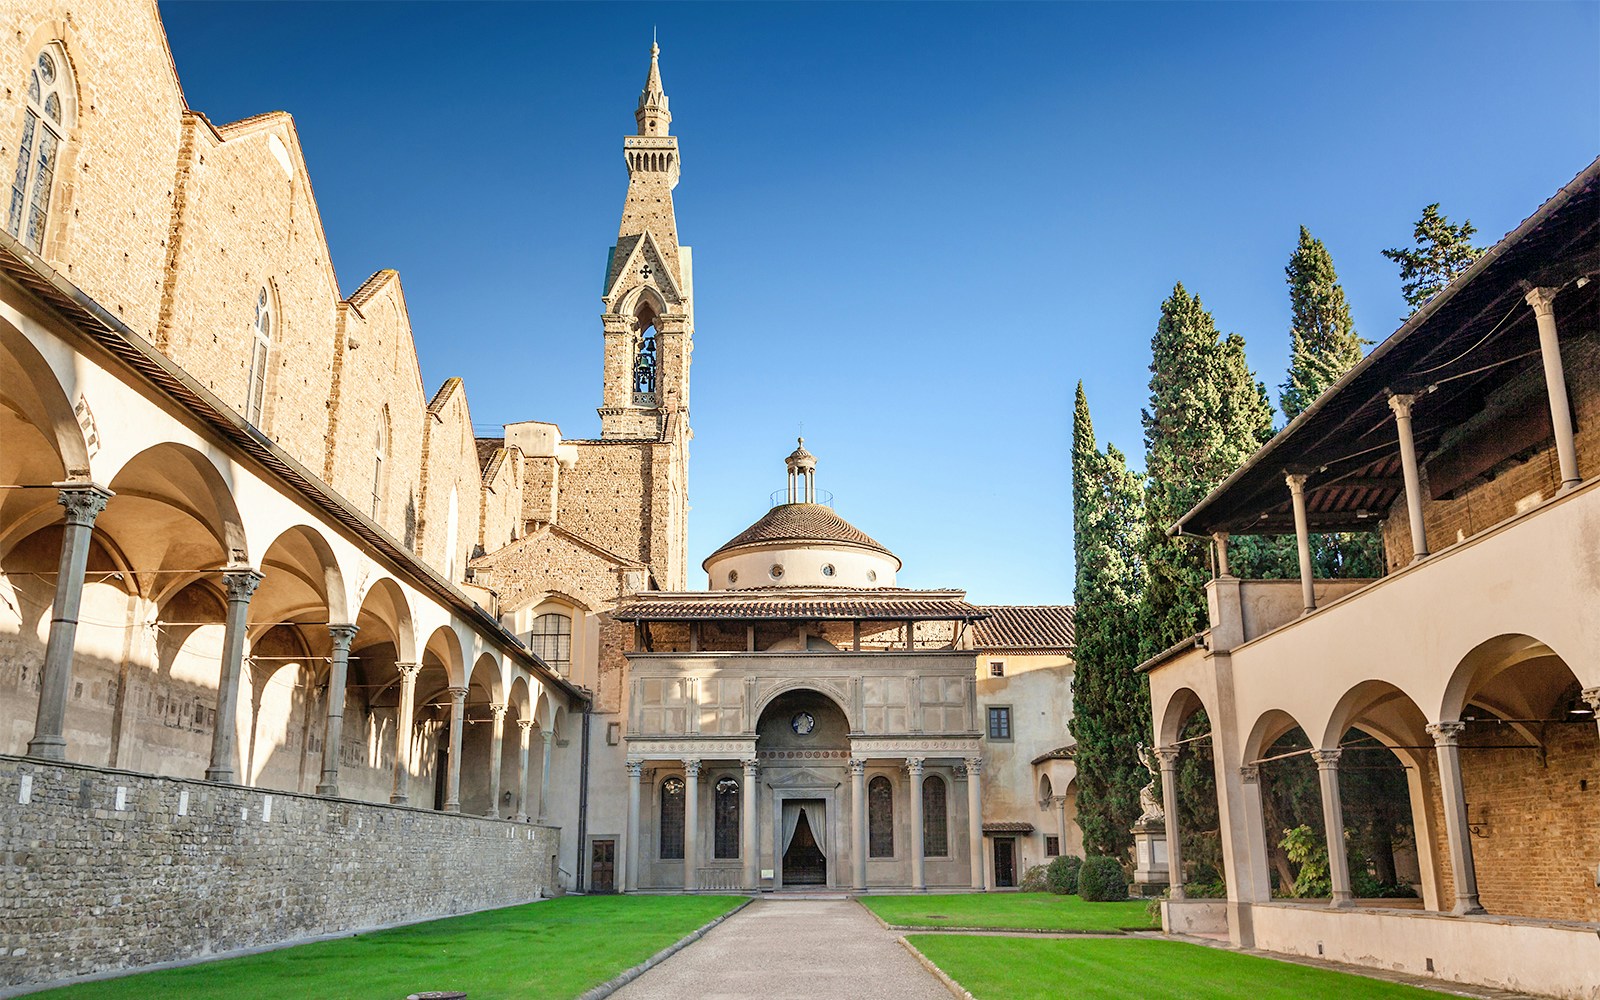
x=438 y=995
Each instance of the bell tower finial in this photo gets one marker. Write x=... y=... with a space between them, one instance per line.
x=652 y=114
x=802 y=474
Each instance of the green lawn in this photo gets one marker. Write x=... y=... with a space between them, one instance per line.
x=1035 y=911
x=1009 y=968
x=552 y=950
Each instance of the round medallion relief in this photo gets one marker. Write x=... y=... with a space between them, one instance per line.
x=802 y=723
x=776 y=572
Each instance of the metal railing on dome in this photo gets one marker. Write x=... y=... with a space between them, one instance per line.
x=780 y=497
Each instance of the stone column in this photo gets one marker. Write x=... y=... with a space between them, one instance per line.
x=1168 y=759
x=83 y=503
x=691 y=825
x=631 y=873
x=1446 y=741
x=240 y=582
x=452 y=786
x=914 y=770
x=1591 y=697
x=404 y=731
x=1061 y=823
x=749 y=850
x=333 y=730
x=525 y=738
x=975 y=822
x=1302 y=536
x=1221 y=538
x=497 y=749
x=546 y=737
x=1333 y=822
x=858 y=824
x=1555 y=383
x=1401 y=405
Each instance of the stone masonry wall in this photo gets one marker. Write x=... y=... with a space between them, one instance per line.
x=107 y=870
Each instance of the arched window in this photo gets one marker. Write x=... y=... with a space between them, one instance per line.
x=726 y=825
x=644 y=357
x=552 y=641
x=935 y=832
x=260 y=352
x=672 y=819
x=380 y=451
x=44 y=125
x=880 y=818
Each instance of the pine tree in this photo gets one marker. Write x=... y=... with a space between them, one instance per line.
x=1111 y=703
x=1323 y=341
x=1442 y=252
x=1207 y=414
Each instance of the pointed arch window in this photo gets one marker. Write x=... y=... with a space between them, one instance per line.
x=644 y=358
x=380 y=452
x=44 y=127
x=260 y=354
x=935 y=828
x=725 y=835
x=672 y=802
x=551 y=640
x=880 y=818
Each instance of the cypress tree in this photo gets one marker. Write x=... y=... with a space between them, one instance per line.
x=1111 y=703
x=1322 y=337
x=1207 y=413
x=1442 y=252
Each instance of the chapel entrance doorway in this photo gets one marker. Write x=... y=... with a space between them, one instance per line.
x=603 y=866
x=1005 y=862
x=804 y=862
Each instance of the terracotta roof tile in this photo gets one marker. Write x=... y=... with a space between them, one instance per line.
x=1008 y=827
x=1068 y=752
x=1025 y=627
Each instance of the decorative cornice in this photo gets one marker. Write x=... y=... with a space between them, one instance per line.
x=644 y=747
x=893 y=746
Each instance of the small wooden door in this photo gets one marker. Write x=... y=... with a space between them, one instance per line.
x=602 y=866
x=1005 y=862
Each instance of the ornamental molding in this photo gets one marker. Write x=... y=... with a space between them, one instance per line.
x=644 y=747
x=773 y=755
x=869 y=746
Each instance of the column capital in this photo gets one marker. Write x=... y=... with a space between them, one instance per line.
x=1591 y=697
x=547 y=735
x=499 y=711
x=858 y=765
x=1446 y=733
x=635 y=768
x=457 y=694
x=1327 y=759
x=240 y=582
x=914 y=765
x=408 y=671
x=342 y=635
x=1296 y=482
x=1167 y=757
x=1250 y=773
x=82 y=501
x=1400 y=403
x=526 y=725
x=752 y=767
x=691 y=767
x=1542 y=300
x=973 y=765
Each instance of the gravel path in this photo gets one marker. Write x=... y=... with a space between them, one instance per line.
x=782 y=949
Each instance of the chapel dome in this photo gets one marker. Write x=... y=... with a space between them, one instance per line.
x=801 y=543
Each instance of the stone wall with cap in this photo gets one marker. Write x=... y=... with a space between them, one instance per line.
x=107 y=870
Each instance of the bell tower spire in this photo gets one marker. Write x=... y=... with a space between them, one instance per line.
x=652 y=115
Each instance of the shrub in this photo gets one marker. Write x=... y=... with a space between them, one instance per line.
x=1101 y=880
x=1033 y=880
x=1307 y=849
x=1062 y=875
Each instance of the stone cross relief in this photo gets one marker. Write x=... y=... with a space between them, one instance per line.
x=1147 y=794
x=647 y=272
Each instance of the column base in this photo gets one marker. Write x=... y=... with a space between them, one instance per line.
x=451 y=807
x=220 y=774
x=1341 y=901
x=48 y=747
x=1468 y=908
x=520 y=818
x=328 y=788
x=399 y=799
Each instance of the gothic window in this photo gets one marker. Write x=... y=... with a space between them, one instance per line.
x=935 y=832
x=644 y=364
x=880 y=818
x=672 y=819
x=726 y=833
x=552 y=641
x=380 y=451
x=43 y=129
x=260 y=353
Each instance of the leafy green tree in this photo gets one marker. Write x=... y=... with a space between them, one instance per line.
x=1442 y=251
x=1111 y=703
x=1322 y=336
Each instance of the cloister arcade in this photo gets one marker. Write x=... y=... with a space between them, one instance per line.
x=170 y=605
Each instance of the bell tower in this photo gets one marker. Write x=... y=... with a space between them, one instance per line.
x=649 y=288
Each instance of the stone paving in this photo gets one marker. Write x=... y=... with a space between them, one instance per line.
x=791 y=949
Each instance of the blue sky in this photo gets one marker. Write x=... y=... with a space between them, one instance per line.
x=916 y=227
